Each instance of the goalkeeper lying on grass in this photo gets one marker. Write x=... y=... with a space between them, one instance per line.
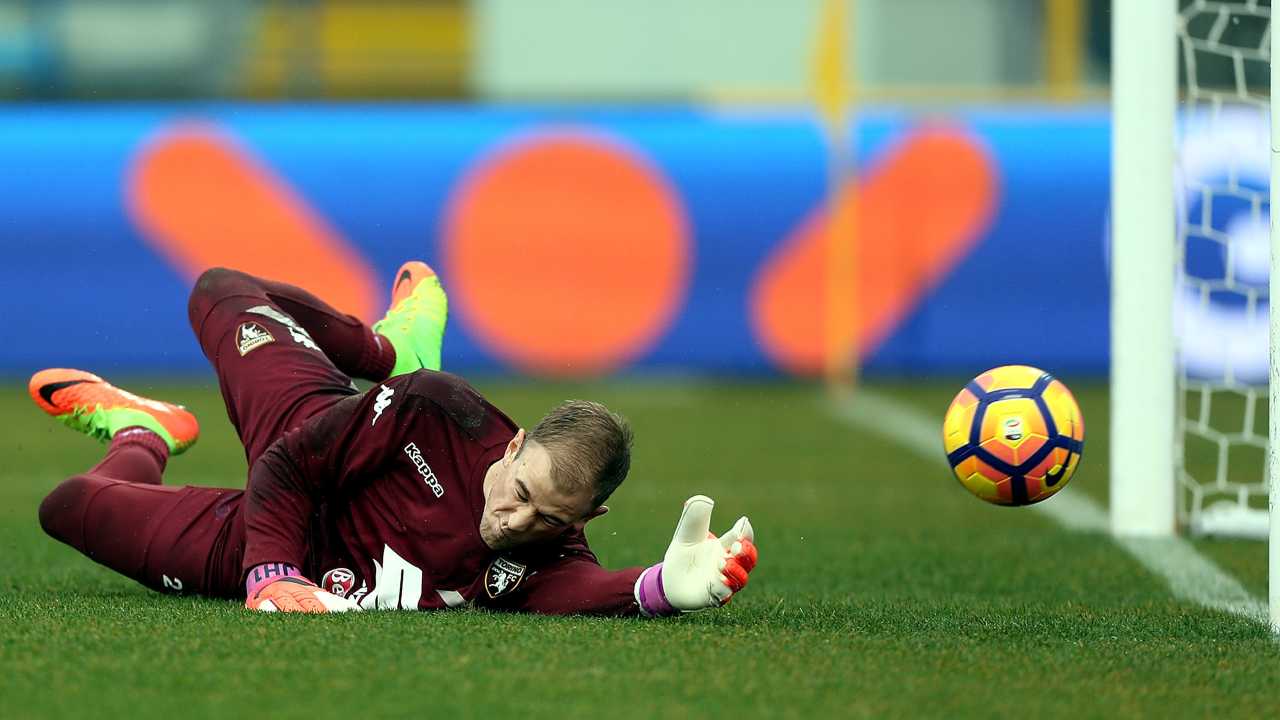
x=415 y=494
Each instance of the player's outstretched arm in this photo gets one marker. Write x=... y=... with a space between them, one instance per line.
x=329 y=454
x=699 y=571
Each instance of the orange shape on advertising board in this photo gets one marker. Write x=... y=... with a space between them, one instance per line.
x=203 y=200
x=918 y=211
x=566 y=253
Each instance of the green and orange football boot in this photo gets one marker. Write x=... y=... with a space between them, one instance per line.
x=416 y=319
x=85 y=402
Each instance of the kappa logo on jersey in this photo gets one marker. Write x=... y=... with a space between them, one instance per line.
x=339 y=581
x=424 y=469
x=252 y=336
x=503 y=576
x=296 y=331
x=381 y=403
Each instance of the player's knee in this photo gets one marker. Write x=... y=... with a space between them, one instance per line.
x=62 y=509
x=213 y=285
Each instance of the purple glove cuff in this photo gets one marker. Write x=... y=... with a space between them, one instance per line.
x=649 y=593
x=267 y=573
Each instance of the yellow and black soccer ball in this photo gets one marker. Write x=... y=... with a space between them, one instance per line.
x=1014 y=435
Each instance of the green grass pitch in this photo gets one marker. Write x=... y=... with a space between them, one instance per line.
x=884 y=590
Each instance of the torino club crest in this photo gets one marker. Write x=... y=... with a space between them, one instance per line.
x=503 y=576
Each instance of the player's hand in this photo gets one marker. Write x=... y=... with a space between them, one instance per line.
x=297 y=594
x=699 y=571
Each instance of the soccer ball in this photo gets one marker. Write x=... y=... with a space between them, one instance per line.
x=1013 y=435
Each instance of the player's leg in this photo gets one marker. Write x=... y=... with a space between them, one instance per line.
x=135 y=455
x=352 y=347
x=118 y=514
x=271 y=371
x=276 y=347
x=188 y=539
x=414 y=323
x=407 y=338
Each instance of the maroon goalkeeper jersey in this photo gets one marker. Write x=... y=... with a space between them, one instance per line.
x=379 y=500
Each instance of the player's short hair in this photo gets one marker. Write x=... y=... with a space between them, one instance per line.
x=589 y=446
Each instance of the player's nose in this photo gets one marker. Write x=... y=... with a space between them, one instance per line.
x=520 y=519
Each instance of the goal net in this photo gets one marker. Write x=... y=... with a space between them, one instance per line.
x=1222 y=169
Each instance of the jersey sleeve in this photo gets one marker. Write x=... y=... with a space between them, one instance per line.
x=570 y=581
x=325 y=458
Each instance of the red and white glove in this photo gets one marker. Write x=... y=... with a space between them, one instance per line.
x=699 y=570
x=279 y=587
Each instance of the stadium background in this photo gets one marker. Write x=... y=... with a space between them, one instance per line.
x=675 y=176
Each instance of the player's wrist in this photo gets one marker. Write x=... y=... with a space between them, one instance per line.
x=266 y=573
x=650 y=595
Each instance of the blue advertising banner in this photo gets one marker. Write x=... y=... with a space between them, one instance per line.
x=571 y=241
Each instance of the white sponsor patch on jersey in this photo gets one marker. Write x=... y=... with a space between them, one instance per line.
x=339 y=581
x=381 y=403
x=296 y=331
x=397 y=583
x=452 y=598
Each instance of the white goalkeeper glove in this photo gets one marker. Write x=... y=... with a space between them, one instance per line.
x=699 y=571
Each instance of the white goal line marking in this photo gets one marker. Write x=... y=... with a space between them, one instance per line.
x=1190 y=575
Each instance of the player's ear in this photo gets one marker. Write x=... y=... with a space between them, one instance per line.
x=513 y=447
x=593 y=515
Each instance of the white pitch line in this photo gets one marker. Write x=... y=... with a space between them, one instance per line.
x=1190 y=575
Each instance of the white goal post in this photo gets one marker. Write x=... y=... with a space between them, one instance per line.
x=1273 y=435
x=1195 y=373
x=1143 y=101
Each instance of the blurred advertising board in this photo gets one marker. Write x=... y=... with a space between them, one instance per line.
x=572 y=241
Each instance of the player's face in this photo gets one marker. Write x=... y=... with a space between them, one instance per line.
x=522 y=505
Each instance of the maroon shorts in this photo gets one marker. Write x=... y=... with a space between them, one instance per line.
x=171 y=539
x=273 y=376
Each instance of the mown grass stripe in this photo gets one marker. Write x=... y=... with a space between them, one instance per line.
x=1190 y=575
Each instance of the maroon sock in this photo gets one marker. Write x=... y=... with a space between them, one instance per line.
x=381 y=358
x=136 y=455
